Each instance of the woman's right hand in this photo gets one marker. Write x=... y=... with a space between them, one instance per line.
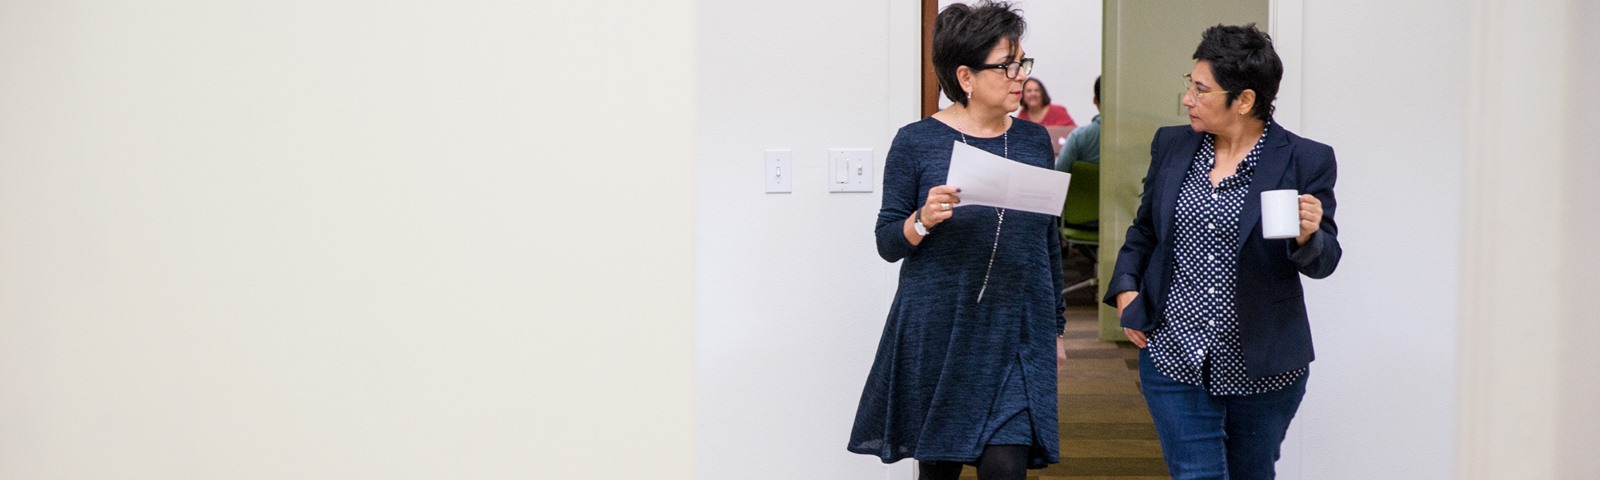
x=941 y=205
x=1123 y=300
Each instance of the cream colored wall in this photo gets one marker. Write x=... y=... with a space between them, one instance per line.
x=345 y=239
x=1528 y=372
x=1579 y=391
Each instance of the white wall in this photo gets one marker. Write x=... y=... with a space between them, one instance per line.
x=349 y=239
x=790 y=294
x=1382 y=394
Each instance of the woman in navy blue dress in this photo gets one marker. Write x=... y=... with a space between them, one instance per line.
x=966 y=369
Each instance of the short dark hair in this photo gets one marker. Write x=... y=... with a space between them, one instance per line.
x=1097 y=88
x=1044 y=95
x=1243 y=58
x=963 y=36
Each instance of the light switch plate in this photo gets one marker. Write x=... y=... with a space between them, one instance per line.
x=850 y=170
x=779 y=171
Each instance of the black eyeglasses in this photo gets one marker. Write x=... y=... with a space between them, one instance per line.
x=1013 y=69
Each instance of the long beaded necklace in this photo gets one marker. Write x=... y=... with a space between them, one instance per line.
x=999 y=213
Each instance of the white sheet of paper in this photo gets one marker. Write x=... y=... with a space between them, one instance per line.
x=988 y=179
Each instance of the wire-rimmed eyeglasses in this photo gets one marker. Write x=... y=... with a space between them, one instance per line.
x=1189 y=90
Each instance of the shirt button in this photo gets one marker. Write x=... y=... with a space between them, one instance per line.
x=1211 y=257
x=1212 y=226
x=1212 y=290
x=1213 y=196
x=1199 y=352
x=1211 y=323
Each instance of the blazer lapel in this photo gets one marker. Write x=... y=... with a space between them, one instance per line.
x=1268 y=176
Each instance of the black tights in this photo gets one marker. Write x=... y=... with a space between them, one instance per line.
x=998 y=462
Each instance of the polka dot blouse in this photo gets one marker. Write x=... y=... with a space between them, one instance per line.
x=1198 y=342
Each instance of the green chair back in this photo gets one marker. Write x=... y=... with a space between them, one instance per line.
x=1082 y=207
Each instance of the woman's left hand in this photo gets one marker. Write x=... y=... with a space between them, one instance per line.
x=1061 y=352
x=1310 y=218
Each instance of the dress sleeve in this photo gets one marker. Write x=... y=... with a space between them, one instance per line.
x=901 y=195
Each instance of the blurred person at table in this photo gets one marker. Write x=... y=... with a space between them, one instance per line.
x=965 y=372
x=1217 y=310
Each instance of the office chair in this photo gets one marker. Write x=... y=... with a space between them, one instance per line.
x=1080 y=218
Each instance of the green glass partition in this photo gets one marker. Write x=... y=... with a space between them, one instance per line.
x=1148 y=46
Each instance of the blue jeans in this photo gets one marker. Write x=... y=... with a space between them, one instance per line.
x=1204 y=436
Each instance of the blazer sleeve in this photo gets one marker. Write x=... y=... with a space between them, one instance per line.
x=1140 y=241
x=1320 y=255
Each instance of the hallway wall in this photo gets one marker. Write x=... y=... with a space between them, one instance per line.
x=1381 y=399
x=790 y=294
x=349 y=239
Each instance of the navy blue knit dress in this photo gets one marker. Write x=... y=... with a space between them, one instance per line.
x=953 y=374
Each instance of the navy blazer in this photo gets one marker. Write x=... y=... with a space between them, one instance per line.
x=1274 y=331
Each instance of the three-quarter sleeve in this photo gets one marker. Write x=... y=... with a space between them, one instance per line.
x=901 y=194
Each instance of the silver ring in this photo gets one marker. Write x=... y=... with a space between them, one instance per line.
x=945 y=206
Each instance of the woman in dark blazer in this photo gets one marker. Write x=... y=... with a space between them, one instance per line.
x=1216 y=309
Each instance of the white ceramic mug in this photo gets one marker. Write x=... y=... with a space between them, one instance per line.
x=1280 y=214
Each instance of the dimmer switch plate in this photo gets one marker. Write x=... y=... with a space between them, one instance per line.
x=850 y=170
